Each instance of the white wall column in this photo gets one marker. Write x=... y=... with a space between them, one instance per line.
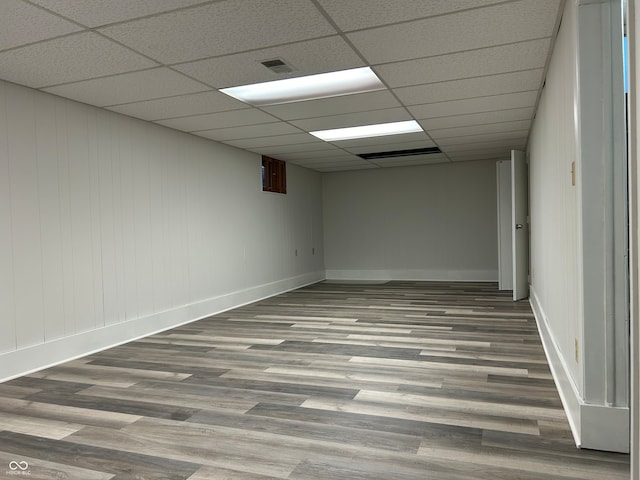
x=579 y=233
x=601 y=179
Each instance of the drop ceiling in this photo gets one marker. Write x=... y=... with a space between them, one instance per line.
x=469 y=71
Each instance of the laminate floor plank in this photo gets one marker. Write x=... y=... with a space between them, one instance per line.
x=389 y=441
x=15 y=391
x=64 y=413
x=132 y=407
x=534 y=462
x=166 y=365
x=338 y=373
x=375 y=423
x=46 y=428
x=219 y=473
x=531 y=443
x=113 y=461
x=310 y=380
x=197 y=443
x=504 y=398
x=175 y=399
x=445 y=416
x=394 y=380
x=41 y=385
x=104 y=375
x=39 y=469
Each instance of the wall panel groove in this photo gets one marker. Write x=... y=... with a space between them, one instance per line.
x=7 y=293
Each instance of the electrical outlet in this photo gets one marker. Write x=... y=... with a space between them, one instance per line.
x=296 y=252
x=313 y=251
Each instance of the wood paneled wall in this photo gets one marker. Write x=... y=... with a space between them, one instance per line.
x=105 y=219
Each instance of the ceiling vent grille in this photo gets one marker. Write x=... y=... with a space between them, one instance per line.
x=400 y=153
x=277 y=65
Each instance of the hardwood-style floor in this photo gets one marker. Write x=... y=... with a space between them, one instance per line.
x=394 y=381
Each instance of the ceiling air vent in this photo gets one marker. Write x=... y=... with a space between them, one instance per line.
x=277 y=65
x=400 y=153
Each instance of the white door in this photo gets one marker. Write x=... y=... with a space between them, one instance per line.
x=519 y=213
x=505 y=226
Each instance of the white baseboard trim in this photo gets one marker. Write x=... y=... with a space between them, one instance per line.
x=597 y=427
x=605 y=428
x=38 y=357
x=414 y=274
x=567 y=388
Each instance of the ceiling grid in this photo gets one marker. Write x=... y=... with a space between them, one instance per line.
x=468 y=71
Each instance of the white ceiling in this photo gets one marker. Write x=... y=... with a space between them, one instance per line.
x=469 y=71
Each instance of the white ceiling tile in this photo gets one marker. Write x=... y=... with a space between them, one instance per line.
x=300 y=148
x=180 y=106
x=67 y=59
x=388 y=147
x=516 y=143
x=307 y=58
x=518 y=137
x=275 y=140
x=21 y=23
x=417 y=137
x=497 y=150
x=353 y=119
x=251 y=131
x=221 y=28
x=483 y=27
x=334 y=106
x=128 y=87
x=475 y=105
x=471 y=87
x=324 y=155
x=93 y=13
x=339 y=167
x=480 y=129
x=210 y=121
x=333 y=160
x=357 y=14
x=478 y=118
x=482 y=156
x=487 y=61
x=410 y=161
x=344 y=167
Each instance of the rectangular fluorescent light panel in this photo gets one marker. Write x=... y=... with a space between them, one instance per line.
x=364 y=131
x=322 y=85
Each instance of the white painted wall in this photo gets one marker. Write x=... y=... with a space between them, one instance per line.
x=554 y=202
x=434 y=222
x=578 y=232
x=112 y=228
